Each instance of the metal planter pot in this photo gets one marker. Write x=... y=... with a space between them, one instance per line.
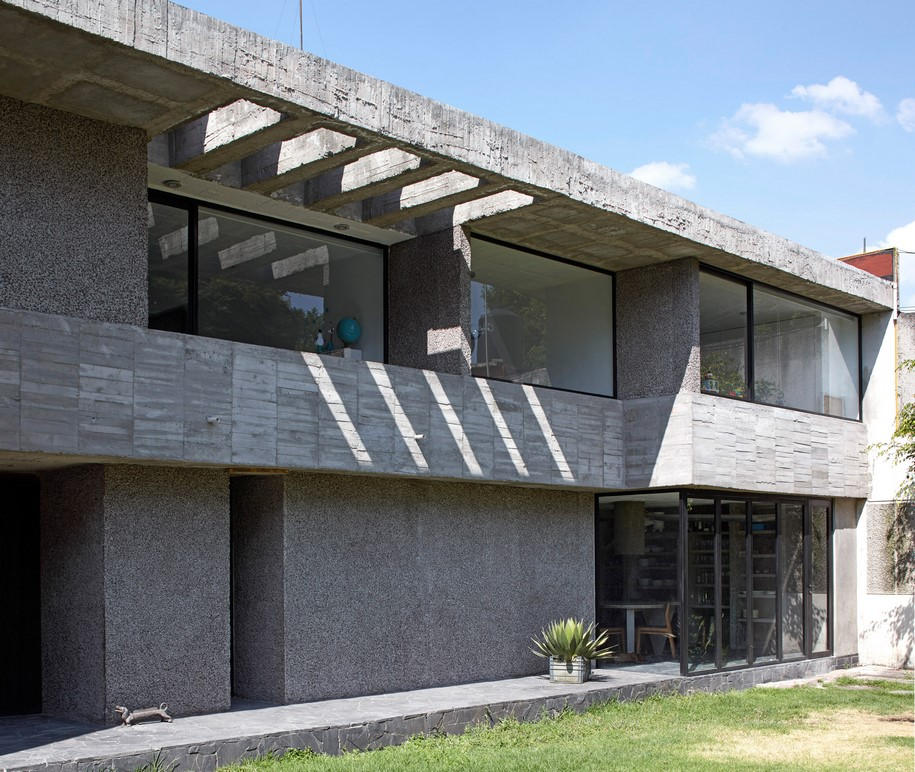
x=575 y=672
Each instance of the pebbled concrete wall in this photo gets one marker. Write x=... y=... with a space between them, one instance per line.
x=73 y=230
x=135 y=590
x=167 y=588
x=258 y=507
x=73 y=593
x=429 y=302
x=657 y=330
x=396 y=584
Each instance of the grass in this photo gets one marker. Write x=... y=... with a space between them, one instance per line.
x=830 y=726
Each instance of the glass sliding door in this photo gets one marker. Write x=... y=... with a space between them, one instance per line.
x=701 y=572
x=762 y=581
x=733 y=583
x=819 y=577
x=791 y=588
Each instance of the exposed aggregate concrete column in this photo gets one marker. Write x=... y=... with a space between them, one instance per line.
x=657 y=317
x=429 y=302
x=135 y=590
x=73 y=215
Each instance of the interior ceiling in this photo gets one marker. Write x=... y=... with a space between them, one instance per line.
x=223 y=143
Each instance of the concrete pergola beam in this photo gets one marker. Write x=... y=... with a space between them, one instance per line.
x=284 y=163
x=231 y=133
x=164 y=49
x=368 y=177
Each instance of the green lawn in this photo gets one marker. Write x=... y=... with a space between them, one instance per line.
x=849 y=724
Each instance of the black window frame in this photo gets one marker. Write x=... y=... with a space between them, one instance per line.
x=749 y=354
x=537 y=253
x=683 y=566
x=192 y=207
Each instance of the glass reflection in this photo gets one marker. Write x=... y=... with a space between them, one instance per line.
x=792 y=589
x=540 y=321
x=723 y=335
x=700 y=584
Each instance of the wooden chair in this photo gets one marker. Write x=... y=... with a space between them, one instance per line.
x=615 y=632
x=667 y=631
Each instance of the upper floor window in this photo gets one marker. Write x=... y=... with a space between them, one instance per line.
x=225 y=275
x=540 y=321
x=800 y=354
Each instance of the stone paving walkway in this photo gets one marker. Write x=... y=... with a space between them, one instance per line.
x=204 y=742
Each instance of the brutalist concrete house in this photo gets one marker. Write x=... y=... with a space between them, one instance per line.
x=311 y=386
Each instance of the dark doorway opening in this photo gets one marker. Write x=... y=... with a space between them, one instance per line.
x=20 y=643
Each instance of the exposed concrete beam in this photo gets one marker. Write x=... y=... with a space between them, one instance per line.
x=231 y=133
x=441 y=192
x=285 y=163
x=469 y=211
x=368 y=177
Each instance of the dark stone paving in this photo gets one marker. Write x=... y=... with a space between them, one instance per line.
x=331 y=726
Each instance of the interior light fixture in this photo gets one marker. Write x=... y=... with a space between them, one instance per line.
x=341 y=226
x=171 y=183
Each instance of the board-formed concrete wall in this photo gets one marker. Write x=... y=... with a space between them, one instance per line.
x=396 y=584
x=73 y=225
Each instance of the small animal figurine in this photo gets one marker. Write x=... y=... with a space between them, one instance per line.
x=131 y=717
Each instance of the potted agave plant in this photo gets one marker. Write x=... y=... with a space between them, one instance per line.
x=570 y=645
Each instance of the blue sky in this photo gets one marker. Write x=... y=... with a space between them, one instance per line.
x=789 y=115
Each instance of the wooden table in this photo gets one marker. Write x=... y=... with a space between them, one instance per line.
x=630 y=608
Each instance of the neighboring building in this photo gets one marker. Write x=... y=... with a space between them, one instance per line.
x=886 y=549
x=566 y=392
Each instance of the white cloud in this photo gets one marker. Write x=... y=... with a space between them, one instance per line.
x=905 y=114
x=841 y=95
x=766 y=131
x=666 y=175
x=902 y=237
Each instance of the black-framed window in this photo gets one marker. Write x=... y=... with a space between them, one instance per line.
x=229 y=275
x=768 y=346
x=753 y=576
x=540 y=320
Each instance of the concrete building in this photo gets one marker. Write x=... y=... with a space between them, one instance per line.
x=305 y=375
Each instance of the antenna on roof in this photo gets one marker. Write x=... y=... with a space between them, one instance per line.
x=865 y=245
x=301 y=42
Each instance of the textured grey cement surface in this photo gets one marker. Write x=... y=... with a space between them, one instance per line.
x=78 y=388
x=135 y=590
x=73 y=592
x=408 y=584
x=73 y=230
x=845 y=577
x=886 y=520
x=176 y=64
x=657 y=317
x=166 y=588
x=706 y=441
x=429 y=302
x=258 y=512
x=905 y=350
x=360 y=723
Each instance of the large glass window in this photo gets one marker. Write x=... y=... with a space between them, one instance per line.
x=779 y=350
x=723 y=335
x=168 y=268
x=540 y=321
x=263 y=282
x=711 y=580
x=805 y=356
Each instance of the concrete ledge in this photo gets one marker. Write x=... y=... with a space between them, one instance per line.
x=366 y=723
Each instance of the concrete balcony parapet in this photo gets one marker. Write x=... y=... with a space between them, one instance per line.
x=74 y=390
